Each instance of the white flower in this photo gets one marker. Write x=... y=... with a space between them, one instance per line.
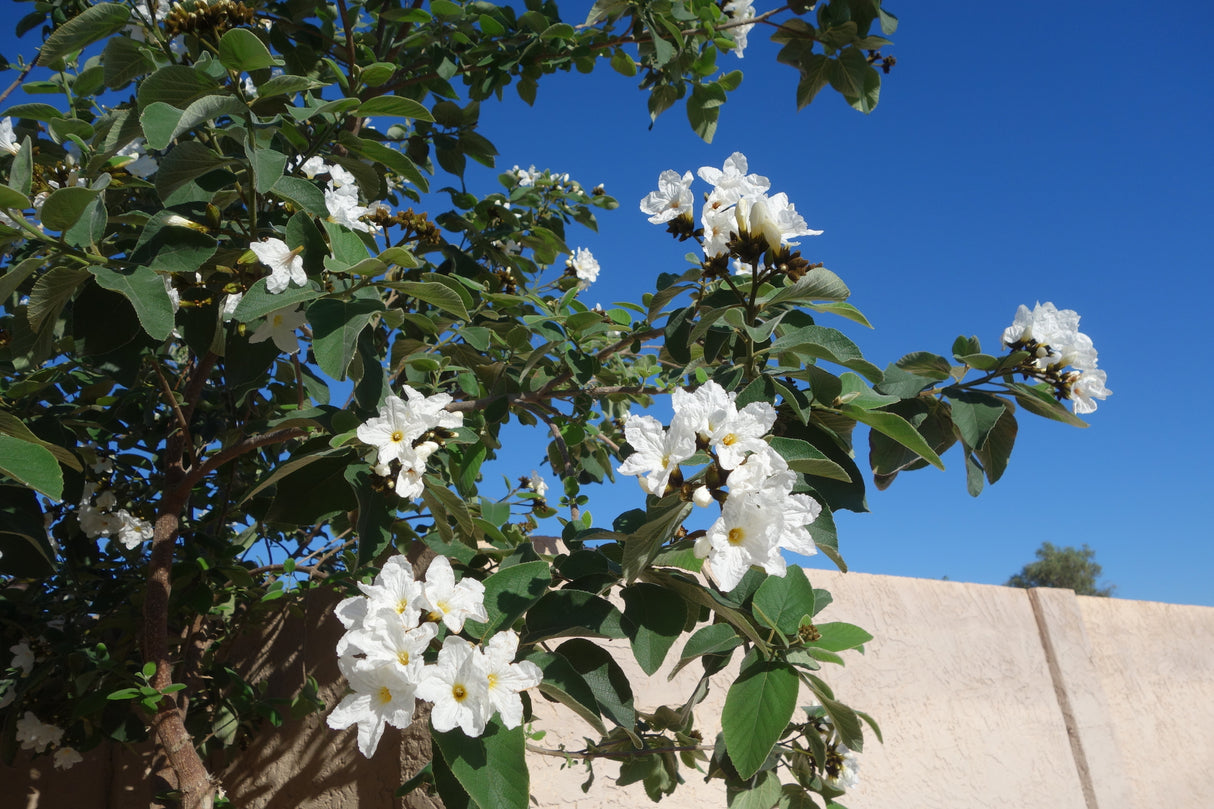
x=394 y=589
x=845 y=765
x=657 y=452
x=537 y=484
x=342 y=203
x=525 y=177
x=8 y=138
x=672 y=199
x=286 y=265
x=732 y=181
x=313 y=166
x=140 y=164
x=747 y=533
x=742 y=433
x=458 y=685
x=174 y=295
x=132 y=531
x=230 y=302
x=388 y=642
x=738 y=11
x=23 y=658
x=410 y=483
x=1087 y=388
x=1056 y=331
x=280 y=326
x=774 y=217
x=506 y=679
x=705 y=409
x=403 y=421
x=584 y=266
x=383 y=695
x=450 y=602
x=66 y=757
x=36 y=735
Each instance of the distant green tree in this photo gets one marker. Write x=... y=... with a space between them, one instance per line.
x=1073 y=568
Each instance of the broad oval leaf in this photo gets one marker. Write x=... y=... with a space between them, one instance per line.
x=757 y=709
x=32 y=465
x=243 y=51
x=782 y=601
x=492 y=767
x=657 y=617
x=396 y=107
x=508 y=594
x=94 y=23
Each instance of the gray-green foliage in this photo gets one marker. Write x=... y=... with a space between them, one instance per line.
x=129 y=373
x=1067 y=567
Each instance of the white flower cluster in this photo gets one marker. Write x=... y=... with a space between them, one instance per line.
x=98 y=518
x=395 y=434
x=760 y=515
x=584 y=265
x=382 y=655
x=738 y=204
x=1052 y=336
x=38 y=737
x=341 y=195
x=841 y=769
x=739 y=11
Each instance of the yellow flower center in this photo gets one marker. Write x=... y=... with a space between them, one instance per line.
x=403 y=657
x=397 y=436
x=402 y=605
x=729 y=440
x=735 y=536
x=385 y=696
x=492 y=680
x=459 y=692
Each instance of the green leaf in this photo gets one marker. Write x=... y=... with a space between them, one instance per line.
x=286 y=84
x=712 y=639
x=176 y=85
x=643 y=544
x=606 y=679
x=434 y=293
x=757 y=710
x=838 y=636
x=13 y=200
x=975 y=415
x=781 y=602
x=32 y=465
x=65 y=206
x=257 y=302
x=34 y=112
x=997 y=449
x=303 y=194
x=562 y=683
x=11 y=425
x=560 y=613
x=1043 y=404
x=895 y=427
x=492 y=767
x=336 y=325
x=845 y=721
x=187 y=161
x=508 y=594
x=94 y=23
x=25 y=549
x=51 y=292
x=243 y=51
x=760 y=793
x=819 y=284
x=857 y=80
x=657 y=616
x=394 y=107
x=926 y=364
x=125 y=60
x=163 y=122
x=146 y=291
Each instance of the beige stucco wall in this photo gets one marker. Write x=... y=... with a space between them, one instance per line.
x=987 y=696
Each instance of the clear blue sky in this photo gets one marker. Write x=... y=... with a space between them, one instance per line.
x=1018 y=154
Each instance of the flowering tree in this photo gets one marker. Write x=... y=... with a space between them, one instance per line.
x=238 y=369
